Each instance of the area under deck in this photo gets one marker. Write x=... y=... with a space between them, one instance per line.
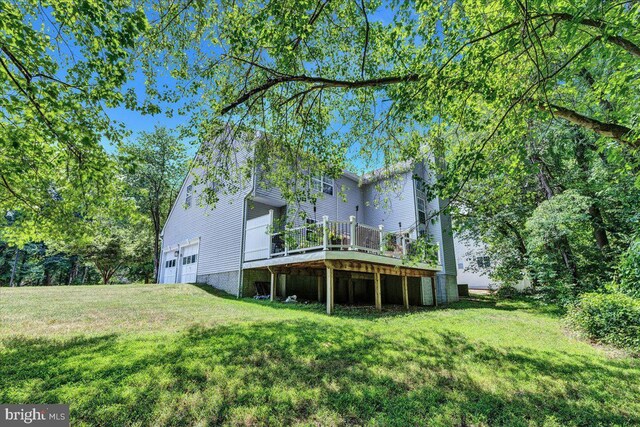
x=327 y=265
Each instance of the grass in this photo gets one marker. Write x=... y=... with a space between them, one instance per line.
x=184 y=355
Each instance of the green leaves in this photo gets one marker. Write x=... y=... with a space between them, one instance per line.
x=61 y=63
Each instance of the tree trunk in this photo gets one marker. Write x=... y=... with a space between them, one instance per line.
x=597 y=222
x=156 y=256
x=599 y=230
x=12 y=281
x=155 y=216
x=21 y=268
x=73 y=270
x=84 y=274
x=564 y=247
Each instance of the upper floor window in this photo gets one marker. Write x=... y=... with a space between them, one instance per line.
x=189 y=195
x=322 y=184
x=422 y=211
x=483 y=261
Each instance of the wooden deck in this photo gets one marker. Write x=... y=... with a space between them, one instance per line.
x=325 y=264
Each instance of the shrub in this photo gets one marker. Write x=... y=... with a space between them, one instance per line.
x=629 y=271
x=507 y=292
x=610 y=318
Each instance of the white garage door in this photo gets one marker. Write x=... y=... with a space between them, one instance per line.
x=170 y=267
x=189 y=264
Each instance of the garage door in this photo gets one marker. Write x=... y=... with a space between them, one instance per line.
x=189 y=264
x=170 y=267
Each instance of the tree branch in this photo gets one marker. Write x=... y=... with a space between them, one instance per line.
x=610 y=130
x=326 y=82
x=366 y=38
x=622 y=42
x=312 y=20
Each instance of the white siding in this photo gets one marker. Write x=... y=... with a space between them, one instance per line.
x=468 y=271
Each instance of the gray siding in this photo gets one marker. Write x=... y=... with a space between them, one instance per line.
x=219 y=229
x=265 y=189
x=441 y=231
x=389 y=202
x=339 y=206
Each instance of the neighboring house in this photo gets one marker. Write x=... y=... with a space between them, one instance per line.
x=348 y=250
x=473 y=263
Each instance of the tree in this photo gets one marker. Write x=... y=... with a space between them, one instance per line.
x=153 y=168
x=557 y=208
x=61 y=65
x=114 y=241
x=381 y=78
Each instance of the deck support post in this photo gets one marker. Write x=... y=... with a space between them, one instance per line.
x=378 y=291
x=330 y=281
x=320 y=280
x=350 y=287
x=405 y=292
x=382 y=248
x=284 y=285
x=274 y=280
x=433 y=291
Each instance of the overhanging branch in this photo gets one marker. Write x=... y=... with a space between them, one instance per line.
x=325 y=82
x=610 y=130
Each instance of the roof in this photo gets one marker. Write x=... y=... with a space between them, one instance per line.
x=381 y=173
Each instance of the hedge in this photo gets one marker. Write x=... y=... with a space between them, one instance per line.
x=612 y=318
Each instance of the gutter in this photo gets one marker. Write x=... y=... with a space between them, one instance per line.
x=244 y=227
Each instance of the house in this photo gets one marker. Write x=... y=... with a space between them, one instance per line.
x=473 y=264
x=354 y=245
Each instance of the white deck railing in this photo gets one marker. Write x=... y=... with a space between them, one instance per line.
x=350 y=235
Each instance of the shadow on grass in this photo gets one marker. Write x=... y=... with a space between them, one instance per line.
x=282 y=373
x=369 y=312
x=360 y=311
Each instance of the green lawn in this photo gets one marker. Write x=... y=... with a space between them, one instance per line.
x=183 y=355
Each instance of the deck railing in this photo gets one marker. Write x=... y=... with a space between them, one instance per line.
x=351 y=235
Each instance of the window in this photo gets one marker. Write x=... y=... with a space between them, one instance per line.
x=322 y=184
x=188 y=259
x=483 y=261
x=460 y=265
x=422 y=210
x=170 y=263
x=187 y=200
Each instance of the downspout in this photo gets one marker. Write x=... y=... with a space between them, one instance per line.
x=415 y=203
x=244 y=226
x=160 y=277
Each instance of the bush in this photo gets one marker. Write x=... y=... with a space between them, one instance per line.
x=507 y=292
x=610 y=318
x=629 y=271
